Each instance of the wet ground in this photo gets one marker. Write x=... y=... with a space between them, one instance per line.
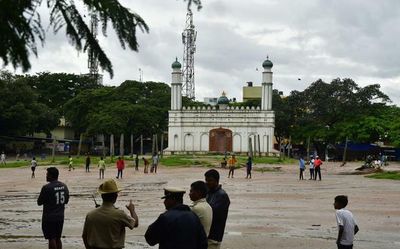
x=272 y=210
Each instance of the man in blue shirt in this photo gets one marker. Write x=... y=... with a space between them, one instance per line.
x=219 y=202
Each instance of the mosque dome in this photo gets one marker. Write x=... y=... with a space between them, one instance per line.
x=267 y=63
x=223 y=100
x=176 y=64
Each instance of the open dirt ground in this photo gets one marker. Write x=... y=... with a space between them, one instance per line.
x=272 y=210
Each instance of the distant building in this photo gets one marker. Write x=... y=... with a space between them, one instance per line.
x=221 y=128
x=251 y=92
x=210 y=101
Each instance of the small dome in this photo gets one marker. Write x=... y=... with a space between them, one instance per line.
x=267 y=63
x=176 y=64
x=223 y=100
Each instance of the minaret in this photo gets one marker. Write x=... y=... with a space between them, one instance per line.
x=266 y=95
x=176 y=86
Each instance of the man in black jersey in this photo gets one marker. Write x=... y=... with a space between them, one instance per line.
x=53 y=197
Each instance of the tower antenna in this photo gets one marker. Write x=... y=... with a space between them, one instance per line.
x=189 y=48
x=93 y=63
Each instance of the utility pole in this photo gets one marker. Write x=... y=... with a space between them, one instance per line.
x=189 y=48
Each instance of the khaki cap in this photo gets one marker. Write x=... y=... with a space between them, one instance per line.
x=108 y=187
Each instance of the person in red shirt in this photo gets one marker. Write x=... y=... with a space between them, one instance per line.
x=120 y=166
x=317 y=166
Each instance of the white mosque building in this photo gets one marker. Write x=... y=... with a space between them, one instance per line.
x=220 y=128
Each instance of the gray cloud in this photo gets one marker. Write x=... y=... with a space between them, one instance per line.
x=305 y=39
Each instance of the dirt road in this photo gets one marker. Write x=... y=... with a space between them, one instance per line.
x=272 y=210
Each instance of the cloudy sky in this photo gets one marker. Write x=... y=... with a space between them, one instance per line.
x=307 y=39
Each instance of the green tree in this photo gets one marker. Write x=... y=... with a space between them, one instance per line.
x=55 y=89
x=21 y=113
x=21 y=27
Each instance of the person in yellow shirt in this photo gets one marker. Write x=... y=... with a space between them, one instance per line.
x=232 y=163
x=102 y=167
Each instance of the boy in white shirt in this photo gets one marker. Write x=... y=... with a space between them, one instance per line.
x=346 y=224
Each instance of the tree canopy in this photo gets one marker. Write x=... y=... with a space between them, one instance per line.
x=330 y=112
x=21 y=28
x=21 y=112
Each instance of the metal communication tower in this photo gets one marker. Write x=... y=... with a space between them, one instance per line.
x=93 y=63
x=189 y=48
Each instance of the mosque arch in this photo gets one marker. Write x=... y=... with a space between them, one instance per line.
x=220 y=140
x=188 y=142
x=237 y=142
x=176 y=146
x=204 y=139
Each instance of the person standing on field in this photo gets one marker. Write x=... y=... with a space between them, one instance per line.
x=302 y=166
x=249 y=166
x=137 y=162
x=120 y=167
x=219 y=202
x=347 y=226
x=232 y=163
x=146 y=165
x=311 y=168
x=317 y=166
x=87 y=162
x=3 y=158
x=102 y=167
x=53 y=196
x=197 y=194
x=105 y=226
x=70 y=163
x=33 y=167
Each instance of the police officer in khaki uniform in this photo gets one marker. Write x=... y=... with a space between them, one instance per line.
x=105 y=226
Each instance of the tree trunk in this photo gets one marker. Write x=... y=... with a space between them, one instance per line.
x=103 y=145
x=156 y=136
x=162 y=145
x=345 y=152
x=132 y=145
x=121 y=145
x=53 y=153
x=80 y=145
x=111 y=145
x=153 y=145
x=141 y=144
x=259 y=146
x=255 y=146
x=250 y=148
x=308 y=148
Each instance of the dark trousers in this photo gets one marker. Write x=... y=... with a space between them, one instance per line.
x=339 y=246
x=301 y=177
x=87 y=167
x=317 y=172
x=311 y=174
x=119 y=173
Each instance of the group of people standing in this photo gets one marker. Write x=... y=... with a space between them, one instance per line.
x=200 y=225
x=232 y=162
x=120 y=165
x=315 y=168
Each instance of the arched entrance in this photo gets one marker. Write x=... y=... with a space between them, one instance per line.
x=220 y=140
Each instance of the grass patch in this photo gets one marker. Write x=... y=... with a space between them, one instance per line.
x=391 y=175
x=186 y=161
x=63 y=160
x=274 y=160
